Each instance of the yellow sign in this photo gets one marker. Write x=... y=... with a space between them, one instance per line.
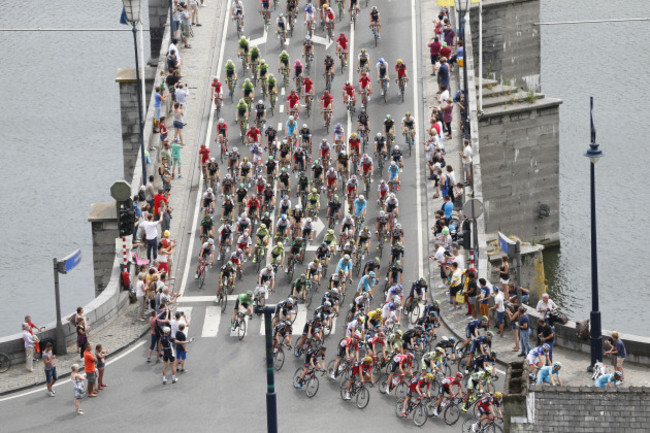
x=446 y=3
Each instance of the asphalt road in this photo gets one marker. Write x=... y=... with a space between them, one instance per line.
x=225 y=387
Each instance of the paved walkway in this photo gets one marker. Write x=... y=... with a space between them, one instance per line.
x=574 y=363
x=197 y=64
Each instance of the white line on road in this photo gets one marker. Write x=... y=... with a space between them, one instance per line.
x=202 y=299
x=416 y=112
x=282 y=93
x=279 y=126
x=208 y=135
x=62 y=382
x=211 y=322
x=282 y=107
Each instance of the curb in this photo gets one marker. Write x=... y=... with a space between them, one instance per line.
x=67 y=374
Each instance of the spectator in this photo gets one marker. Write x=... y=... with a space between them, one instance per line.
x=186 y=24
x=458 y=258
x=439 y=256
x=514 y=318
x=181 y=94
x=466 y=156
x=149 y=192
x=447 y=206
x=165 y=250
x=90 y=369
x=78 y=386
x=524 y=331
x=173 y=64
x=49 y=365
x=434 y=50
x=176 y=158
x=616 y=348
x=500 y=309
x=165 y=152
x=443 y=74
x=471 y=292
x=176 y=18
x=82 y=337
x=525 y=294
x=37 y=349
x=157 y=105
x=546 y=335
x=449 y=34
x=30 y=342
x=459 y=200
x=171 y=80
x=459 y=53
x=545 y=306
x=485 y=296
x=140 y=296
x=173 y=46
x=181 y=351
x=194 y=11
x=445 y=52
x=179 y=122
x=448 y=117
x=157 y=320
x=151 y=230
x=456 y=284
x=504 y=274
x=100 y=354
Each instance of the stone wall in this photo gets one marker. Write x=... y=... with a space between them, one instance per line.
x=103 y=220
x=532 y=270
x=520 y=168
x=511 y=41
x=158 y=16
x=126 y=78
x=585 y=409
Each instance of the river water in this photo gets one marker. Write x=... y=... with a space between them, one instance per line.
x=61 y=148
x=609 y=62
x=62 y=151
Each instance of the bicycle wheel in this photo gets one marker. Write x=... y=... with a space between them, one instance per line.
x=451 y=414
x=297 y=349
x=383 y=382
x=5 y=364
x=398 y=407
x=296 y=378
x=201 y=276
x=400 y=390
x=467 y=425
x=278 y=359
x=414 y=314
x=430 y=406
x=343 y=390
x=420 y=415
x=241 y=329
x=224 y=299
x=312 y=387
x=363 y=397
x=308 y=297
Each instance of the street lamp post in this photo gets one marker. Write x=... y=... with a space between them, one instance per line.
x=465 y=92
x=271 y=398
x=132 y=9
x=594 y=154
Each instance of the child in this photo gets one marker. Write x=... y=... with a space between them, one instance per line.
x=100 y=355
x=176 y=157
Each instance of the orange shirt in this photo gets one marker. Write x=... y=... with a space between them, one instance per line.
x=89 y=362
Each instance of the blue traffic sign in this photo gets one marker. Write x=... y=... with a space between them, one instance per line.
x=72 y=260
x=505 y=243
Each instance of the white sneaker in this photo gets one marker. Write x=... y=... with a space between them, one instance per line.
x=435 y=412
x=164 y=380
x=196 y=276
x=174 y=379
x=51 y=394
x=387 y=390
x=332 y=376
x=346 y=396
x=474 y=427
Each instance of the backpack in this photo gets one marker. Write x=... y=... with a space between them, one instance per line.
x=457 y=96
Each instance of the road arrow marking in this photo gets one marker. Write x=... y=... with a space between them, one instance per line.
x=323 y=41
x=260 y=41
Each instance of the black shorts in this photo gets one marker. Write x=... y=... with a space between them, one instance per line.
x=444 y=389
x=454 y=290
x=393 y=366
x=340 y=351
x=434 y=58
x=168 y=356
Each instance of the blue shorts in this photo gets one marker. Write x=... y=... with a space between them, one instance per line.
x=51 y=375
x=154 y=341
x=178 y=124
x=156 y=113
x=181 y=355
x=500 y=317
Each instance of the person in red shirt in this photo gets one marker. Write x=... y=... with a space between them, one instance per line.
x=157 y=200
x=222 y=130
x=293 y=104
x=446 y=388
x=400 y=68
x=253 y=206
x=348 y=92
x=355 y=143
x=363 y=370
x=417 y=385
x=365 y=83
x=345 y=349
x=204 y=158
x=308 y=86
x=253 y=134
x=434 y=50
x=342 y=47
x=327 y=104
x=217 y=91
x=445 y=51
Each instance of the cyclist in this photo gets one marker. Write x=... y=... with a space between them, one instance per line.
x=328 y=67
x=260 y=113
x=299 y=287
x=243 y=47
x=330 y=239
x=227 y=188
x=293 y=105
x=363 y=61
x=342 y=47
x=317 y=174
x=381 y=226
x=282 y=333
x=277 y=254
x=365 y=84
x=382 y=192
x=382 y=74
x=208 y=200
x=226 y=277
x=242 y=112
x=408 y=128
x=253 y=137
x=311 y=360
x=271 y=85
x=267 y=274
x=546 y=373
x=395 y=274
x=262 y=70
x=363 y=124
x=472 y=330
x=308 y=49
x=392 y=205
x=396 y=156
x=345 y=349
x=313 y=201
x=207 y=227
x=310 y=13
x=375 y=20
x=400 y=361
x=305 y=137
x=285 y=153
x=417 y=386
x=339 y=137
x=231 y=73
x=256 y=55
x=538 y=357
x=281 y=227
x=362 y=370
x=283 y=311
x=327 y=105
x=390 y=312
x=364 y=241
x=281 y=25
x=349 y=92
x=238 y=10
x=263 y=235
x=213 y=171
x=477 y=380
x=400 y=70
x=389 y=127
x=606 y=380
x=243 y=304
x=432 y=361
x=366 y=167
x=355 y=144
x=296 y=251
x=360 y=205
x=486 y=406
x=393 y=174
x=354 y=5
x=322 y=253
x=419 y=290
x=225 y=237
x=307 y=229
x=446 y=388
x=367 y=283
x=204 y=158
x=244 y=243
x=292 y=127
x=308 y=89
x=380 y=145
x=328 y=17
x=207 y=253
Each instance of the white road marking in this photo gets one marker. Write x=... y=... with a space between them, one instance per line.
x=282 y=93
x=301 y=319
x=350 y=76
x=416 y=111
x=62 y=382
x=202 y=299
x=211 y=322
x=282 y=107
x=262 y=40
x=208 y=135
x=324 y=41
x=279 y=126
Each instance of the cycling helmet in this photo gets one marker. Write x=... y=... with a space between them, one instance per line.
x=298 y=206
x=249 y=293
x=557 y=365
x=488 y=370
x=367 y=359
x=209 y=191
x=269 y=267
x=546 y=347
x=400 y=332
x=279 y=245
x=440 y=350
x=361 y=197
x=484 y=319
x=229 y=264
x=308 y=220
x=327 y=304
x=346 y=257
x=452 y=340
x=498 y=395
x=357 y=335
x=429 y=376
x=374 y=8
x=388 y=117
x=396 y=147
x=283 y=217
x=381 y=60
x=493 y=353
x=307 y=37
x=289 y=301
x=263 y=226
x=166 y=330
x=211 y=241
x=459 y=375
x=399 y=61
x=489 y=334
x=291 y=117
x=281 y=15
x=221 y=120
x=372 y=274
x=335 y=291
x=393 y=163
x=260 y=102
x=618 y=374
x=330 y=232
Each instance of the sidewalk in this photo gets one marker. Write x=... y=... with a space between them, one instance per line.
x=196 y=68
x=574 y=363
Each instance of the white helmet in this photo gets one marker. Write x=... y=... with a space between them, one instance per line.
x=290 y=118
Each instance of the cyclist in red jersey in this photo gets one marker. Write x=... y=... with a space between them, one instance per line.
x=217 y=91
x=327 y=103
x=355 y=143
x=345 y=349
x=342 y=47
x=293 y=104
x=308 y=87
x=366 y=164
x=446 y=388
x=417 y=386
x=377 y=340
x=363 y=370
x=400 y=362
x=348 y=92
x=400 y=68
x=487 y=407
x=365 y=83
x=204 y=154
x=253 y=135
